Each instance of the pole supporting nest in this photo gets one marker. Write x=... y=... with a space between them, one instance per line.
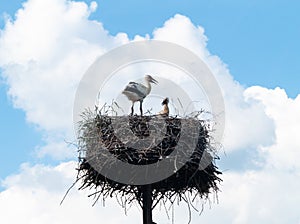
x=147 y=204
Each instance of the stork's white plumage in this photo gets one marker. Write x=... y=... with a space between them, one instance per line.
x=137 y=92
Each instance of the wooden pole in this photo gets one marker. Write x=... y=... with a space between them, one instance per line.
x=147 y=204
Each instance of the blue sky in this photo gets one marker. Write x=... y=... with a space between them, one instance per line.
x=257 y=40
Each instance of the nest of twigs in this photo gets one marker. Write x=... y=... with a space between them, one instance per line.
x=96 y=133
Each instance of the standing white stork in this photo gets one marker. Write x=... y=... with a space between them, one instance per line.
x=137 y=91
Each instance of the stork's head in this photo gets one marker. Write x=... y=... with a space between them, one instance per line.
x=150 y=79
x=165 y=101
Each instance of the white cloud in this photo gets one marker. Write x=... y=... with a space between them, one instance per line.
x=256 y=197
x=59 y=150
x=43 y=54
x=33 y=196
x=182 y=31
x=39 y=176
x=285 y=112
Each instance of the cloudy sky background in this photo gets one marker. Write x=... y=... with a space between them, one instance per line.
x=251 y=48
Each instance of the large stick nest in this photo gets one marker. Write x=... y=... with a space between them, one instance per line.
x=96 y=133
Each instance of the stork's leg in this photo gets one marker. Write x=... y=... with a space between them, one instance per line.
x=141 y=107
x=132 y=108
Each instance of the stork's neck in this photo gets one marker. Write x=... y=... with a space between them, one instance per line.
x=148 y=85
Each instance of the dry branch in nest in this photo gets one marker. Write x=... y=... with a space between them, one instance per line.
x=96 y=133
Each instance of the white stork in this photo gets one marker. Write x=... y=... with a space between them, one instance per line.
x=137 y=91
x=165 y=111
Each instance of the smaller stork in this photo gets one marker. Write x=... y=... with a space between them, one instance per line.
x=165 y=111
x=137 y=92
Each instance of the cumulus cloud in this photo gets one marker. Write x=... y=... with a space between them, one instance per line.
x=284 y=111
x=45 y=51
x=256 y=197
x=33 y=196
x=59 y=150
